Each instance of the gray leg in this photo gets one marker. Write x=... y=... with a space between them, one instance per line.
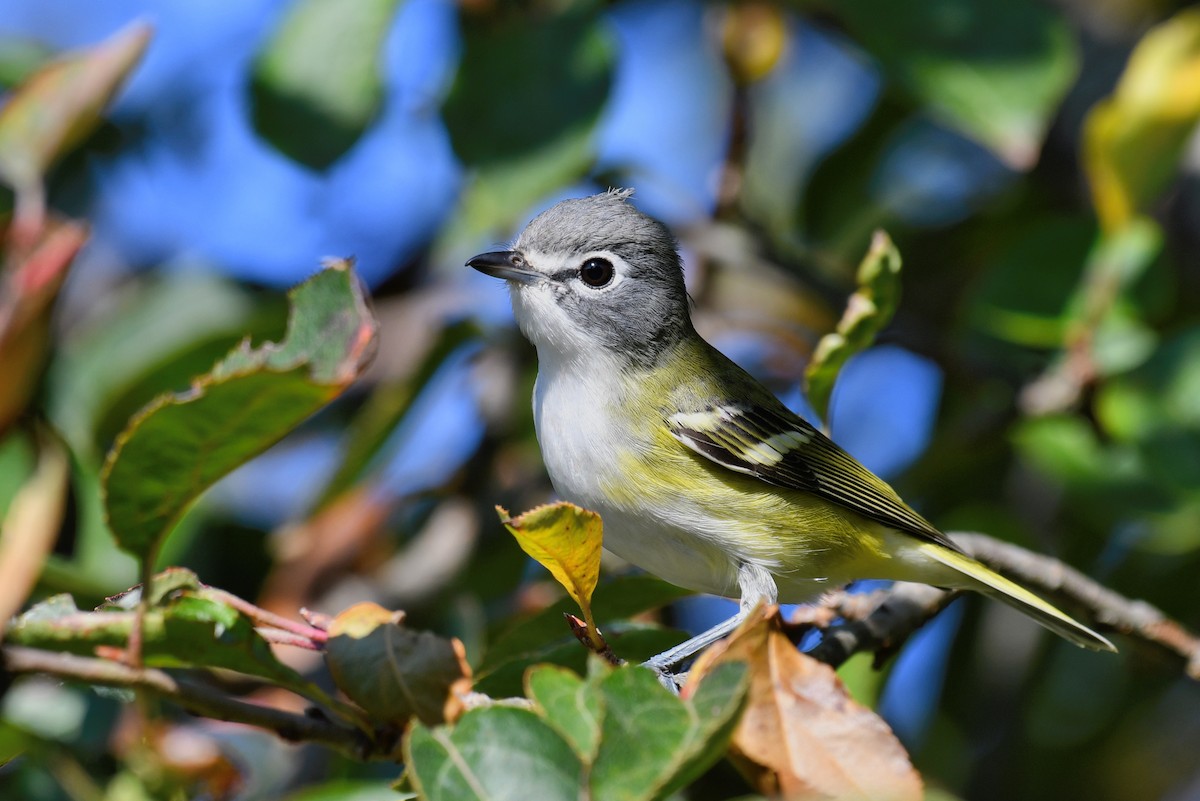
x=696 y=644
x=755 y=584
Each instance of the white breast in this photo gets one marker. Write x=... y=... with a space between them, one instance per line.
x=573 y=412
x=576 y=408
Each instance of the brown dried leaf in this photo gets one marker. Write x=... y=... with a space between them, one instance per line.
x=802 y=737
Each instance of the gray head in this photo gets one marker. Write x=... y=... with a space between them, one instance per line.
x=595 y=273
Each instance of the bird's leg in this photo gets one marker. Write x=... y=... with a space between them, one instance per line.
x=687 y=648
x=756 y=585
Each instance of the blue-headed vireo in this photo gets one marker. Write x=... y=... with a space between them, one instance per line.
x=701 y=475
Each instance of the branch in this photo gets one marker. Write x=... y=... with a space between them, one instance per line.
x=880 y=622
x=196 y=698
x=1107 y=609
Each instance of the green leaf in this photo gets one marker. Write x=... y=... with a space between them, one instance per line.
x=495 y=753
x=570 y=705
x=1154 y=411
x=634 y=642
x=351 y=790
x=868 y=310
x=1102 y=320
x=1116 y=262
x=180 y=444
x=653 y=743
x=1134 y=140
x=996 y=70
x=53 y=608
x=395 y=672
x=560 y=79
x=1121 y=342
x=193 y=630
x=17 y=459
x=716 y=709
x=632 y=739
x=1067 y=448
x=1161 y=396
x=158 y=335
x=187 y=630
x=317 y=85
x=528 y=92
x=1023 y=296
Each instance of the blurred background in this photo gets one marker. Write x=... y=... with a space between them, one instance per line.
x=1035 y=162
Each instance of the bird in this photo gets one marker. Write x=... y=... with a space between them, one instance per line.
x=700 y=475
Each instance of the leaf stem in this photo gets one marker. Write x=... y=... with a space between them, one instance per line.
x=265 y=619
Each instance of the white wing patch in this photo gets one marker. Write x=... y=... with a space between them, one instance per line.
x=780 y=448
x=787 y=440
x=750 y=447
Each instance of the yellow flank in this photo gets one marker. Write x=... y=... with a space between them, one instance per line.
x=769 y=524
x=787 y=531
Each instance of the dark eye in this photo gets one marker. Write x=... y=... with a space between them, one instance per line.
x=596 y=272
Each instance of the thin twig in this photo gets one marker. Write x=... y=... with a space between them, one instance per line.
x=1105 y=608
x=266 y=619
x=196 y=698
x=279 y=637
x=583 y=633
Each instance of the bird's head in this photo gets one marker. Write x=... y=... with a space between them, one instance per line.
x=595 y=275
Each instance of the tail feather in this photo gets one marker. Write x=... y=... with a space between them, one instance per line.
x=994 y=585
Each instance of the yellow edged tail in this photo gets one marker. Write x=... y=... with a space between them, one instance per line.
x=993 y=585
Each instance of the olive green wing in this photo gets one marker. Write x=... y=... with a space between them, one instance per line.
x=780 y=448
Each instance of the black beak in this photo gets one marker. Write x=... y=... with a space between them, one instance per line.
x=507 y=264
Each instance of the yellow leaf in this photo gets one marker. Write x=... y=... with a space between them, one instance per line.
x=1134 y=139
x=359 y=620
x=566 y=540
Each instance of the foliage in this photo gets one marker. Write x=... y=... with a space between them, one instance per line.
x=868 y=310
x=246 y=403
x=616 y=734
x=1034 y=163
